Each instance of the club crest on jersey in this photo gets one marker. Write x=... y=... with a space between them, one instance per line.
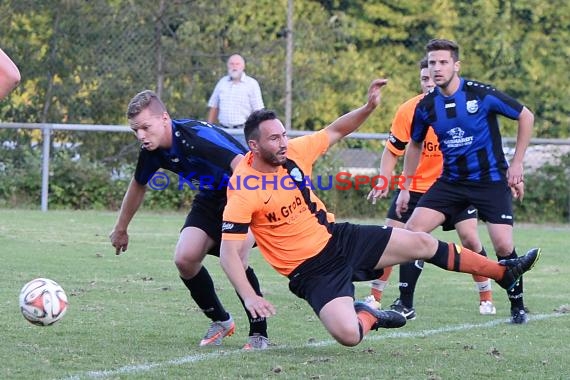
x=472 y=106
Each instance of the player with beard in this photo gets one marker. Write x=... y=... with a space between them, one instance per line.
x=301 y=240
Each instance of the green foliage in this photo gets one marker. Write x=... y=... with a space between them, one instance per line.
x=176 y=196
x=547 y=196
x=519 y=42
x=81 y=184
x=74 y=182
x=86 y=184
x=82 y=61
x=20 y=186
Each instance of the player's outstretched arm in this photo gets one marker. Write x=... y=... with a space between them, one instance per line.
x=246 y=249
x=515 y=173
x=411 y=161
x=232 y=266
x=131 y=202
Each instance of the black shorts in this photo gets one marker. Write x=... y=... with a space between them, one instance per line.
x=206 y=214
x=493 y=200
x=450 y=221
x=350 y=255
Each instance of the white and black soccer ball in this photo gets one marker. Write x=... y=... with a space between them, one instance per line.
x=43 y=302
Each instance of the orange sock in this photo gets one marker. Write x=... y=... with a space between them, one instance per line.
x=366 y=321
x=377 y=294
x=461 y=259
x=452 y=257
x=386 y=275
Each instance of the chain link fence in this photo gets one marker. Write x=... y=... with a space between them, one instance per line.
x=55 y=171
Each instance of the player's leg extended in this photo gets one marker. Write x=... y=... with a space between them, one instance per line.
x=192 y=246
x=406 y=246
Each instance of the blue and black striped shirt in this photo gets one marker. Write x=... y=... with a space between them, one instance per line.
x=200 y=152
x=467 y=129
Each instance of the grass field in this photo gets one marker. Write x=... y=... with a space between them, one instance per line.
x=131 y=318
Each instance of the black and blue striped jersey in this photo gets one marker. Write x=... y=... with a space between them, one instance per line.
x=201 y=155
x=467 y=129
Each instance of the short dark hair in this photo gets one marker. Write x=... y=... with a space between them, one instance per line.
x=442 y=44
x=143 y=100
x=423 y=63
x=251 y=128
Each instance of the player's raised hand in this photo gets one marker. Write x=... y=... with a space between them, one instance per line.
x=374 y=92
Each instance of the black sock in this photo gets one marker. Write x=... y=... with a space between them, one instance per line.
x=483 y=252
x=256 y=325
x=409 y=275
x=203 y=293
x=441 y=256
x=515 y=295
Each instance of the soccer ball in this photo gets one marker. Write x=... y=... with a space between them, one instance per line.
x=43 y=302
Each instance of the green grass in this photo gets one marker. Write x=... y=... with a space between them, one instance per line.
x=130 y=317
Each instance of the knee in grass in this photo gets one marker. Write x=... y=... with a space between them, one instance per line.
x=346 y=338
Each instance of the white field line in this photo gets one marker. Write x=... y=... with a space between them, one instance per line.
x=130 y=369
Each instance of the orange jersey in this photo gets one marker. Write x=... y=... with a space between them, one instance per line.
x=272 y=205
x=431 y=161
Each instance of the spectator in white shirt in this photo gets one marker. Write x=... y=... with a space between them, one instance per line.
x=235 y=96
